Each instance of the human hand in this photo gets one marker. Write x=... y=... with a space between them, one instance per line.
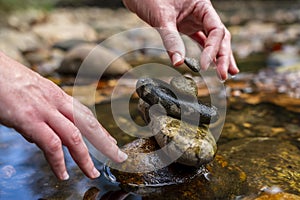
x=44 y=115
x=195 y=18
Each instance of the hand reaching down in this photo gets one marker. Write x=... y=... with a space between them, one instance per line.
x=195 y=18
x=44 y=115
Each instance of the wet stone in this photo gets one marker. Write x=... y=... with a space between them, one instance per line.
x=189 y=144
x=154 y=91
x=193 y=64
x=221 y=180
x=184 y=86
x=91 y=194
x=140 y=158
x=184 y=142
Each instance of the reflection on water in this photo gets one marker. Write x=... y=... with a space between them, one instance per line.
x=24 y=173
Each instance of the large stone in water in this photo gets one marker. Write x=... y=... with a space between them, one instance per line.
x=144 y=157
x=220 y=180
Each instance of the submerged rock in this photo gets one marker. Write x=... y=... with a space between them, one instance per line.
x=276 y=162
x=278 y=196
x=221 y=179
x=144 y=157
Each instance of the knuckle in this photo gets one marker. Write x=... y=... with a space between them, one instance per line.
x=221 y=30
x=227 y=34
x=87 y=111
x=76 y=137
x=55 y=93
x=92 y=123
x=27 y=115
x=29 y=112
x=54 y=145
x=202 y=9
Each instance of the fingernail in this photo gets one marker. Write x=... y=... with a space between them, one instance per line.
x=122 y=156
x=176 y=59
x=65 y=176
x=96 y=173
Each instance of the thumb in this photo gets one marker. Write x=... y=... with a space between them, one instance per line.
x=173 y=43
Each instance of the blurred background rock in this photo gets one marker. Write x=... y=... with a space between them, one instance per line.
x=40 y=34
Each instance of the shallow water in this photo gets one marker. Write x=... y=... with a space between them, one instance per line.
x=24 y=173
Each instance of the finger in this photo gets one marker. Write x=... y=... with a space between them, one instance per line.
x=93 y=131
x=199 y=37
x=214 y=30
x=223 y=61
x=173 y=43
x=46 y=139
x=224 y=57
x=75 y=106
x=71 y=137
x=222 y=66
x=233 y=69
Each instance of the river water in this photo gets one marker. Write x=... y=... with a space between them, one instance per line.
x=24 y=173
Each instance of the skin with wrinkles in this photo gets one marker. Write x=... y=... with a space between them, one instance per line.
x=45 y=115
x=195 y=18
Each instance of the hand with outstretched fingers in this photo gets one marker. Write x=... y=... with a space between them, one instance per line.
x=195 y=18
x=44 y=114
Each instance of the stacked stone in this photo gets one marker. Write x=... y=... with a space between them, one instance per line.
x=179 y=122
